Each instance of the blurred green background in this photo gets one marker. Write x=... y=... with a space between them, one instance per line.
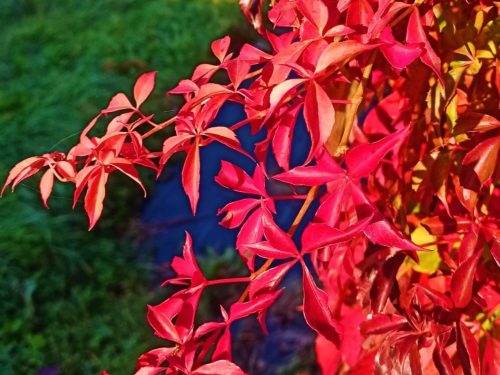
x=74 y=302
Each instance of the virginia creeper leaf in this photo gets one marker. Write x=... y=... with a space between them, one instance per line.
x=191 y=175
x=143 y=87
x=316 y=312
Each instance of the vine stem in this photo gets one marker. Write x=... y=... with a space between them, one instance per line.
x=291 y=231
x=159 y=127
x=356 y=96
x=229 y=281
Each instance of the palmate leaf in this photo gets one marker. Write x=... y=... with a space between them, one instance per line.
x=320 y=117
x=191 y=175
x=143 y=87
x=316 y=312
x=361 y=160
x=425 y=156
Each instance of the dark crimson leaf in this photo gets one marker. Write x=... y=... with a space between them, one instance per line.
x=384 y=282
x=474 y=121
x=316 y=312
x=462 y=280
x=338 y=52
x=468 y=350
x=491 y=359
x=382 y=323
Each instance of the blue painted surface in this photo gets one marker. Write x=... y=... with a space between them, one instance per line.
x=166 y=212
x=167 y=216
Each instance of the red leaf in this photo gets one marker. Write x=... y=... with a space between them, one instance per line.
x=315 y=11
x=203 y=72
x=81 y=180
x=91 y=124
x=278 y=94
x=478 y=166
x=338 y=52
x=185 y=86
x=269 y=280
x=191 y=175
x=328 y=355
x=187 y=268
x=268 y=251
x=149 y=370
x=325 y=170
x=318 y=235
x=316 y=312
x=119 y=102
x=160 y=319
x=462 y=280
x=475 y=122
x=468 y=350
x=319 y=115
x=227 y=137
x=468 y=245
x=94 y=198
x=251 y=232
x=439 y=225
x=127 y=168
x=222 y=349
x=220 y=47
x=143 y=87
x=277 y=237
x=237 y=211
x=380 y=232
x=495 y=250
x=416 y=34
x=221 y=367
x=284 y=14
x=46 y=183
x=382 y=323
x=23 y=170
x=120 y=123
x=491 y=359
x=283 y=135
x=363 y=159
x=384 y=281
x=252 y=9
x=437 y=298
x=261 y=302
x=233 y=177
x=359 y=15
x=440 y=356
x=331 y=205
x=66 y=170
x=171 y=146
x=237 y=70
x=397 y=54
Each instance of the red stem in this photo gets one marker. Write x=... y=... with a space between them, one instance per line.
x=285 y=197
x=229 y=281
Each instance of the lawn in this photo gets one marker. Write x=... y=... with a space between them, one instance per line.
x=74 y=301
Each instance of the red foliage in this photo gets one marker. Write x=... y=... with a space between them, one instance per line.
x=424 y=164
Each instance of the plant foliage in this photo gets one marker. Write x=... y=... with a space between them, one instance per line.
x=404 y=240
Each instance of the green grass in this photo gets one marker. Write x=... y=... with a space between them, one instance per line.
x=73 y=299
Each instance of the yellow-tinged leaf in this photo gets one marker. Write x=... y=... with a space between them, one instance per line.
x=451 y=111
x=478 y=21
x=485 y=54
x=428 y=260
